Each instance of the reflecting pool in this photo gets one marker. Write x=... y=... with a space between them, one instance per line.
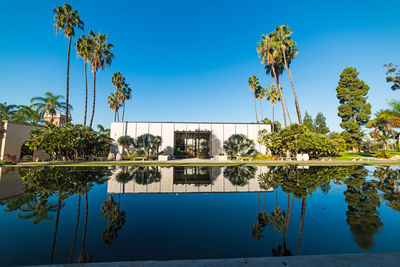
x=126 y=213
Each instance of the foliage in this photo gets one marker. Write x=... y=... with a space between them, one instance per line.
x=147 y=144
x=110 y=211
x=308 y=121
x=353 y=109
x=49 y=104
x=393 y=75
x=69 y=142
x=383 y=155
x=320 y=124
x=239 y=145
x=145 y=175
x=264 y=157
x=125 y=141
x=276 y=126
x=239 y=175
x=299 y=139
x=7 y=162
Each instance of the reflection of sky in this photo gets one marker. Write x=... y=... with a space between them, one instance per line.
x=169 y=226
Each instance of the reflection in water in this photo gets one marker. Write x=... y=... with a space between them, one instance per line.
x=44 y=193
x=186 y=179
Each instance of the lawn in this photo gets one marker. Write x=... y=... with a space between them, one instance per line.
x=351 y=155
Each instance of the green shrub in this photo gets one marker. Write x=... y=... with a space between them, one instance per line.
x=264 y=157
x=7 y=162
x=238 y=145
x=383 y=155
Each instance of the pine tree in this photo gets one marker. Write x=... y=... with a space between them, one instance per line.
x=308 y=121
x=353 y=109
x=320 y=124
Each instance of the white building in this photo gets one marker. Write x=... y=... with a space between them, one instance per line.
x=192 y=139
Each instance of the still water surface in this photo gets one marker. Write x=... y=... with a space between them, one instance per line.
x=99 y=214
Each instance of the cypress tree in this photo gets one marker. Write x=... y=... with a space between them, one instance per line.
x=320 y=124
x=353 y=109
x=308 y=121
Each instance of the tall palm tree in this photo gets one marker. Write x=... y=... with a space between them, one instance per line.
x=84 y=50
x=289 y=51
x=66 y=20
x=271 y=56
x=49 y=104
x=7 y=111
x=100 y=58
x=113 y=102
x=273 y=97
x=125 y=94
x=260 y=95
x=254 y=84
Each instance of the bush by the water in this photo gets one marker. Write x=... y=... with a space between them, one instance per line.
x=383 y=155
x=264 y=157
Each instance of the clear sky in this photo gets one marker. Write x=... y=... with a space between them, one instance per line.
x=191 y=60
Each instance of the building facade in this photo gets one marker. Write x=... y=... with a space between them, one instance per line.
x=190 y=139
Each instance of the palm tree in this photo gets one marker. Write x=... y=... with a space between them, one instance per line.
x=125 y=94
x=49 y=104
x=66 y=20
x=289 y=51
x=7 y=111
x=27 y=114
x=84 y=50
x=260 y=95
x=272 y=58
x=272 y=96
x=254 y=84
x=113 y=102
x=100 y=58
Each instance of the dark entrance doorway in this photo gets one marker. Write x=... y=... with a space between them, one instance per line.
x=192 y=144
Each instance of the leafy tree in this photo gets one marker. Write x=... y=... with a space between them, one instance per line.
x=320 y=124
x=276 y=125
x=84 y=49
x=393 y=75
x=308 y=121
x=254 y=84
x=49 y=104
x=100 y=58
x=289 y=52
x=66 y=20
x=353 y=109
x=239 y=145
x=125 y=141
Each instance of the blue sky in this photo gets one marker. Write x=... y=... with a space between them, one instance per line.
x=191 y=60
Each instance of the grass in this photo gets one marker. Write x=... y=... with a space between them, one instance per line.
x=270 y=163
x=351 y=155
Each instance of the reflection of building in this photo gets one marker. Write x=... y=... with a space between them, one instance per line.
x=10 y=183
x=190 y=139
x=188 y=179
x=57 y=119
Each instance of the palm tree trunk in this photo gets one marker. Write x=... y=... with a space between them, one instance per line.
x=115 y=115
x=76 y=230
x=86 y=95
x=118 y=115
x=261 y=110
x=123 y=112
x=94 y=99
x=287 y=111
x=67 y=93
x=273 y=119
x=55 y=230
x=255 y=107
x=280 y=94
x=85 y=226
x=303 y=212
x=294 y=92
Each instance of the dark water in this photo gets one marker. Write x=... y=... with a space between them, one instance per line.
x=161 y=213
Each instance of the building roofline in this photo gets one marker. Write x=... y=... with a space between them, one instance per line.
x=192 y=122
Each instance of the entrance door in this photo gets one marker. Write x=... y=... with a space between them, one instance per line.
x=192 y=144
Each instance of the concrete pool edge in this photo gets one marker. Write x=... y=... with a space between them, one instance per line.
x=360 y=259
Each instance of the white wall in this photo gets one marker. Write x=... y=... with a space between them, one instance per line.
x=220 y=132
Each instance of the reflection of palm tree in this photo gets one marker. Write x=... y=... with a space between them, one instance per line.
x=303 y=212
x=239 y=175
x=110 y=211
x=76 y=229
x=82 y=257
x=55 y=229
